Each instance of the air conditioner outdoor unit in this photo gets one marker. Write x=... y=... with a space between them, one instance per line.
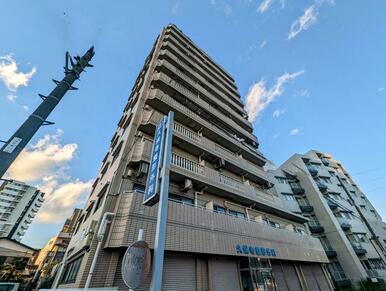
x=220 y=163
x=143 y=167
x=188 y=185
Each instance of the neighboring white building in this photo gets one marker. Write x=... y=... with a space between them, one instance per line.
x=349 y=227
x=19 y=204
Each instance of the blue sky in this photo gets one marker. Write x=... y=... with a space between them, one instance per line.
x=316 y=70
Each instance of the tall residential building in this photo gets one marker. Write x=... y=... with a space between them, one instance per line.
x=227 y=229
x=19 y=204
x=340 y=215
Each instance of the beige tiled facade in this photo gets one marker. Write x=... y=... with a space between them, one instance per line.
x=225 y=220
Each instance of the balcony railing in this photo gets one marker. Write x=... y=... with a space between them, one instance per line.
x=332 y=204
x=297 y=189
x=372 y=273
x=313 y=171
x=322 y=187
x=206 y=106
x=315 y=226
x=219 y=151
x=221 y=181
x=358 y=248
x=179 y=107
x=201 y=63
x=344 y=223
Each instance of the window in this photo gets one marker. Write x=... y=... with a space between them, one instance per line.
x=288 y=197
x=71 y=271
x=377 y=264
x=237 y=214
x=325 y=180
x=282 y=180
x=101 y=196
x=274 y=224
x=183 y=200
x=363 y=207
x=89 y=209
x=139 y=187
x=318 y=166
x=219 y=209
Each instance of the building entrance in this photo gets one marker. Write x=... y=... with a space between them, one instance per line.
x=256 y=275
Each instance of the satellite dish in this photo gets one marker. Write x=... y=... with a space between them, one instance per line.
x=136 y=264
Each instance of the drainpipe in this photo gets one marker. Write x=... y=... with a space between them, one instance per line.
x=100 y=235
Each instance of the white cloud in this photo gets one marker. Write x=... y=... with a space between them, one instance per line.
x=213 y=2
x=264 y=6
x=11 y=97
x=228 y=10
x=61 y=199
x=25 y=107
x=381 y=89
x=302 y=93
x=46 y=165
x=278 y=112
x=294 y=131
x=308 y=18
x=10 y=74
x=42 y=159
x=259 y=96
x=175 y=7
x=263 y=43
x=303 y=22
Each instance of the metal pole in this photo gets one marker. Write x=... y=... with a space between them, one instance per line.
x=100 y=235
x=159 y=246
x=13 y=147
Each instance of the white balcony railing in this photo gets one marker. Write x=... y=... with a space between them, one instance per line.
x=212 y=176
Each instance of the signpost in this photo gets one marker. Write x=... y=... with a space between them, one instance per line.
x=157 y=190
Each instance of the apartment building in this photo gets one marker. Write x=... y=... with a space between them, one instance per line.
x=227 y=228
x=350 y=229
x=19 y=204
x=54 y=250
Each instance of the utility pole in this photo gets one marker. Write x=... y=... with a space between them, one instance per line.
x=12 y=148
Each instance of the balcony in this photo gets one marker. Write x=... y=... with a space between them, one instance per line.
x=358 y=248
x=171 y=58
x=330 y=252
x=313 y=171
x=322 y=187
x=332 y=205
x=315 y=226
x=372 y=273
x=342 y=282
x=344 y=224
x=201 y=64
x=165 y=103
x=297 y=189
x=306 y=208
x=197 y=98
x=196 y=144
x=325 y=161
x=216 y=182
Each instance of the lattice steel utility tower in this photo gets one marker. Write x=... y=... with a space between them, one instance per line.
x=12 y=148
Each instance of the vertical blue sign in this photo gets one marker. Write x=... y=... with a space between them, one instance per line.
x=152 y=184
